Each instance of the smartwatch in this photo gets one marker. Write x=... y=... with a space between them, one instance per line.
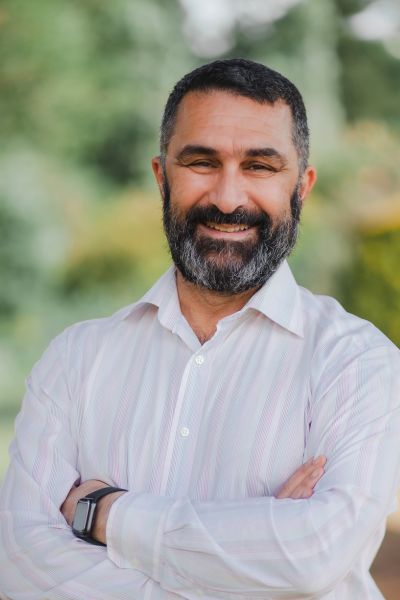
x=85 y=513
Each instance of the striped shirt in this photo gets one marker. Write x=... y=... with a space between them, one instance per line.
x=203 y=436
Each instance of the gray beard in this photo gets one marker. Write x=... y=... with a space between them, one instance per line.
x=228 y=267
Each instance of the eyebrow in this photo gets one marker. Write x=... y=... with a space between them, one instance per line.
x=266 y=152
x=191 y=149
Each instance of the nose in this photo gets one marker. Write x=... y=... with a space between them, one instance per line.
x=228 y=194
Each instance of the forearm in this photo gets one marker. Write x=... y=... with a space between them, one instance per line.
x=258 y=548
x=37 y=561
x=39 y=556
x=269 y=548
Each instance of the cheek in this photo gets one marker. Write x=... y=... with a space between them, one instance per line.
x=187 y=189
x=273 y=196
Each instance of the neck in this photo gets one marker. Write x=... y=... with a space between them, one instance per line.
x=203 y=308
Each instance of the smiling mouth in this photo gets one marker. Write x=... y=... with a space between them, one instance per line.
x=226 y=228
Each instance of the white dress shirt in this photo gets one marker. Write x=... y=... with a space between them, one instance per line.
x=203 y=436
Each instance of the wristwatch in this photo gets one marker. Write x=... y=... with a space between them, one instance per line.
x=85 y=513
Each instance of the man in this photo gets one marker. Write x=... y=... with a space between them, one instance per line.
x=191 y=408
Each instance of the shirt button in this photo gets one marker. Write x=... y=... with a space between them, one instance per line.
x=199 y=359
x=184 y=431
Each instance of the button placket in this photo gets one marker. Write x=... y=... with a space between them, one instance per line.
x=185 y=424
x=179 y=408
x=185 y=431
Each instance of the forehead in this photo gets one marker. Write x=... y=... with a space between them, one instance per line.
x=223 y=120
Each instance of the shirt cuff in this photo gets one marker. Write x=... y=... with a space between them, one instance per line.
x=134 y=531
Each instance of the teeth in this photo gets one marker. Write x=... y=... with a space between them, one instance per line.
x=227 y=228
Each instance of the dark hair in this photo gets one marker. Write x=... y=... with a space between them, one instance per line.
x=243 y=78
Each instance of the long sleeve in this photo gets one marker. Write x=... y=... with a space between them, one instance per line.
x=127 y=400
x=268 y=548
x=39 y=556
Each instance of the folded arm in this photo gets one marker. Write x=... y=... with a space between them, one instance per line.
x=39 y=555
x=255 y=547
x=269 y=548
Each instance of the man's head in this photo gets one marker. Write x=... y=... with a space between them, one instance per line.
x=233 y=173
x=243 y=78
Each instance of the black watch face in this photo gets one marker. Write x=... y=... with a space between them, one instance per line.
x=81 y=518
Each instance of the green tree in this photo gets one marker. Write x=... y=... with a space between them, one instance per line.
x=18 y=271
x=371 y=283
x=85 y=80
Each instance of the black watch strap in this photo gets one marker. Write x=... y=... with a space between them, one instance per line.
x=97 y=494
x=95 y=497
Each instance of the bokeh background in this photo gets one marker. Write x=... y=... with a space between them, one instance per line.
x=82 y=87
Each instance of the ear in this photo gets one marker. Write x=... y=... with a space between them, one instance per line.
x=158 y=172
x=307 y=182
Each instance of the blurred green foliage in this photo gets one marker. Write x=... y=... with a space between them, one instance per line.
x=116 y=247
x=371 y=283
x=17 y=270
x=86 y=80
x=82 y=86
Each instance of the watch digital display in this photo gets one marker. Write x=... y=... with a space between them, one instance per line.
x=85 y=511
x=81 y=518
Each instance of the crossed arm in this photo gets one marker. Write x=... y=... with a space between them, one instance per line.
x=300 y=485
x=255 y=547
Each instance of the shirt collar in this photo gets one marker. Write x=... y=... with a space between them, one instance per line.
x=278 y=299
x=164 y=296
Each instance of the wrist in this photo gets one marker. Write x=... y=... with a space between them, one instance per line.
x=101 y=516
x=90 y=512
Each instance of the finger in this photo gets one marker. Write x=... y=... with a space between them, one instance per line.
x=301 y=494
x=302 y=477
x=320 y=460
x=295 y=480
x=306 y=488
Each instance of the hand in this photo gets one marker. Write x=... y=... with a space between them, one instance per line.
x=301 y=484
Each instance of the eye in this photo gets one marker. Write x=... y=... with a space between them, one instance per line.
x=260 y=167
x=202 y=163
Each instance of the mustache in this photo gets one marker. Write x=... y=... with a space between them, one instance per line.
x=204 y=214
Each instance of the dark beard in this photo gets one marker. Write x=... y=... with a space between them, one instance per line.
x=228 y=267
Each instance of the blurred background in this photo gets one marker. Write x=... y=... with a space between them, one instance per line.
x=82 y=88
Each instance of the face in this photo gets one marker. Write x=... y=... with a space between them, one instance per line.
x=231 y=189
